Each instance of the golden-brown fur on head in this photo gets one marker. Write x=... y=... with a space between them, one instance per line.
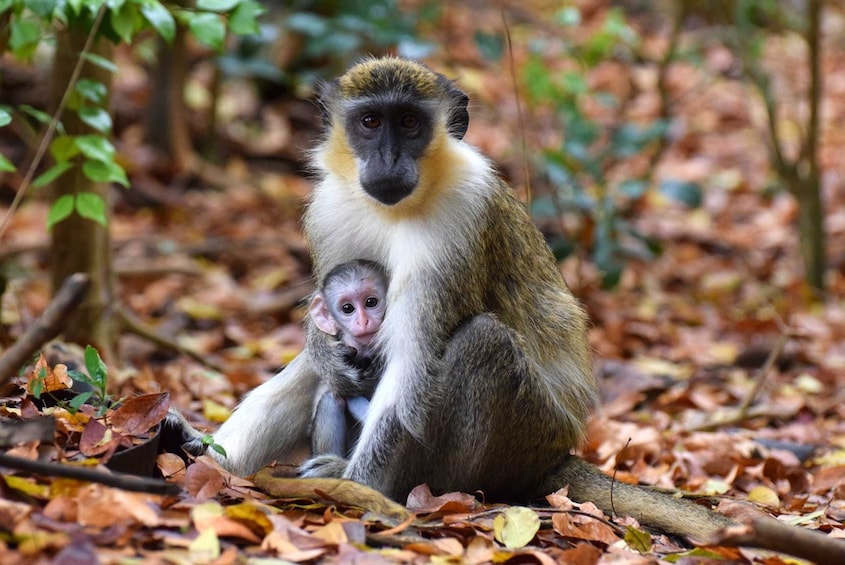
x=373 y=77
x=393 y=78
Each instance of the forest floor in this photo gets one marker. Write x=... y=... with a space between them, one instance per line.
x=719 y=318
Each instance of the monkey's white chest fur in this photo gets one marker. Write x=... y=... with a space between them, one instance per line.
x=343 y=223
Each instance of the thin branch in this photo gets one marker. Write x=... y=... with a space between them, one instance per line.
x=133 y=325
x=520 y=118
x=768 y=533
x=54 y=123
x=762 y=373
x=48 y=325
x=117 y=480
x=813 y=39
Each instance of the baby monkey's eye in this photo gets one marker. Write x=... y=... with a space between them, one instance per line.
x=371 y=302
x=347 y=308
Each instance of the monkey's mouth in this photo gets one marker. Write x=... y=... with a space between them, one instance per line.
x=365 y=339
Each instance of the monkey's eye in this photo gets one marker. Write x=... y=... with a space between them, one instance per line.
x=409 y=121
x=370 y=121
x=347 y=308
x=371 y=302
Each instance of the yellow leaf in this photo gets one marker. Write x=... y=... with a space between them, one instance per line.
x=638 y=540
x=206 y=547
x=764 y=495
x=724 y=353
x=26 y=486
x=661 y=367
x=516 y=526
x=252 y=514
x=830 y=459
x=714 y=486
x=215 y=412
x=203 y=515
x=808 y=383
x=332 y=532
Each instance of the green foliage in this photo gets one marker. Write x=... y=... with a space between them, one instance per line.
x=208 y=441
x=579 y=168
x=32 y=23
x=349 y=29
x=97 y=378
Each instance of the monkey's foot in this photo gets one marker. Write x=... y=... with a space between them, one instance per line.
x=323 y=466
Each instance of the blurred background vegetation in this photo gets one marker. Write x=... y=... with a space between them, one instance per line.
x=594 y=110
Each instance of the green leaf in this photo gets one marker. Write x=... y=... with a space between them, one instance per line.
x=307 y=24
x=40 y=116
x=101 y=62
x=95 y=117
x=5 y=118
x=516 y=526
x=569 y=16
x=686 y=192
x=63 y=148
x=80 y=376
x=59 y=210
x=105 y=171
x=92 y=90
x=77 y=401
x=24 y=37
x=95 y=147
x=490 y=45
x=633 y=188
x=6 y=166
x=160 y=18
x=244 y=18
x=95 y=366
x=92 y=207
x=218 y=448
x=638 y=539
x=126 y=21
x=42 y=8
x=52 y=174
x=208 y=29
x=217 y=5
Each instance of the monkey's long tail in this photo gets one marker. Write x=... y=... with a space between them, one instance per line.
x=681 y=517
x=651 y=508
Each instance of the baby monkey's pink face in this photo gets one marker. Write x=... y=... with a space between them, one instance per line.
x=359 y=310
x=351 y=305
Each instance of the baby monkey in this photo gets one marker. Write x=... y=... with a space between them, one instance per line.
x=349 y=306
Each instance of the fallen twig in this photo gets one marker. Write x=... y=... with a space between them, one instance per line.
x=768 y=533
x=133 y=325
x=48 y=326
x=117 y=480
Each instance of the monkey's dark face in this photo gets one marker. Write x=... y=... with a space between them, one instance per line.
x=388 y=138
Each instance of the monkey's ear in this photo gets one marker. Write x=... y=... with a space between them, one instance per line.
x=458 y=120
x=326 y=93
x=320 y=314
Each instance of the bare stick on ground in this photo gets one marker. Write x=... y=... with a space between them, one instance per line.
x=48 y=326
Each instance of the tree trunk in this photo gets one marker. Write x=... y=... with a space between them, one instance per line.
x=167 y=125
x=811 y=231
x=79 y=244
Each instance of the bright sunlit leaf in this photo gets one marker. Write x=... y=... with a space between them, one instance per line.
x=516 y=526
x=91 y=206
x=61 y=209
x=160 y=18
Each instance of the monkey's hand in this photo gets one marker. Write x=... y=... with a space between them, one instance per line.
x=323 y=467
x=347 y=376
x=177 y=435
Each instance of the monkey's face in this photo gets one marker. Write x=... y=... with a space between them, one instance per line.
x=389 y=136
x=394 y=114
